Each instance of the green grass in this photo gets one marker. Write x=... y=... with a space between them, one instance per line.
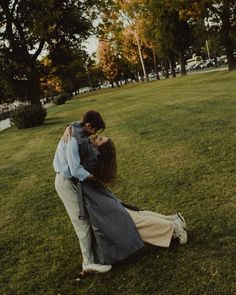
x=176 y=145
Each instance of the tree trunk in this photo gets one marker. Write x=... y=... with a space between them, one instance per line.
x=182 y=63
x=34 y=89
x=136 y=79
x=89 y=79
x=166 y=69
x=231 y=60
x=227 y=39
x=141 y=58
x=172 y=65
x=155 y=64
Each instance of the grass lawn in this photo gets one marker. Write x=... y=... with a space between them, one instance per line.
x=176 y=144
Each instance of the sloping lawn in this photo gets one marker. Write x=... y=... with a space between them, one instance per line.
x=176 y=147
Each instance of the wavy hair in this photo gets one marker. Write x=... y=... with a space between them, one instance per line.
x=107 y=169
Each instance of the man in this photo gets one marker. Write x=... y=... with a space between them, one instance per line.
x=68 y=167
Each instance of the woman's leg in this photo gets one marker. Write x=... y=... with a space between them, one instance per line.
x=158 y=215
x=153 y=228
x=174 y=217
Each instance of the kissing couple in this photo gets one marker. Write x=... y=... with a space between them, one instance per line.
x=108 y=229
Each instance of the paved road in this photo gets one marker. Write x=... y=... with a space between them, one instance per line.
x=221 y=68
x=4 y=124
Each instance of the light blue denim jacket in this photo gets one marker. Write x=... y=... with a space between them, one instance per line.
x=67 y=159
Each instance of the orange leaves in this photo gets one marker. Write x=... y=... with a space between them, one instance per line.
x=107 y=60
x=129 y=46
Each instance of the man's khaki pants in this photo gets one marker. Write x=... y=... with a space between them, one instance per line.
x=67 y=192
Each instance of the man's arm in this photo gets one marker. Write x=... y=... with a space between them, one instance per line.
x=77 y=170
x=67 y=134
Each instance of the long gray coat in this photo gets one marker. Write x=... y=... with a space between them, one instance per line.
x=115 y=236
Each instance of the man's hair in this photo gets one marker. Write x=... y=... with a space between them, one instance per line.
x=95 y=119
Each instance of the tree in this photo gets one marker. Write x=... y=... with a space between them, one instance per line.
x=94 y=73
x=27 y=27
x=108 y=61
x=50 y=83
x=173 y=32
x=219 y=17
x=131 y=13
x=129 y=51
x=223 y=13
x=6 y=92
x=70 y=66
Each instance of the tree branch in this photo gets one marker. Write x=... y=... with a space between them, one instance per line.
x=14 y=5
x=38 y=51
x=9 y=30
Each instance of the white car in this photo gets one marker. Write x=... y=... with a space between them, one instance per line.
x=207 y=63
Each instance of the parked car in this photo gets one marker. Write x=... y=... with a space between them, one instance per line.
x=105 y=85
x=151 y=75
x=197 y=66
x=207 y=63
x=190 y=67
x=222 y=59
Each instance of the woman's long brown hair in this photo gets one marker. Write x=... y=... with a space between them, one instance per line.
x=106 y=172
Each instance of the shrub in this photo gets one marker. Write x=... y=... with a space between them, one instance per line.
x=61 y=99
x=26 y=116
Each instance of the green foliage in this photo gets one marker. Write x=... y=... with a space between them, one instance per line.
x=70 y=66
x=28 y=27
x=224 y=13
x=26 y=116
x=61 y=98
x=172 y=34
x=175 y=142
x=6 y=93
x=219 y=22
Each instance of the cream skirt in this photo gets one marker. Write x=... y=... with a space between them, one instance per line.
x=154 y=228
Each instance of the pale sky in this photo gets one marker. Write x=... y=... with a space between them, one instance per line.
x=92 y=44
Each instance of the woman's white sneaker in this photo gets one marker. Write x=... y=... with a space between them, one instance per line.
x=180 y=232
x=179 y=216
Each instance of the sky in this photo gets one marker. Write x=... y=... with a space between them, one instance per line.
x=92 y=44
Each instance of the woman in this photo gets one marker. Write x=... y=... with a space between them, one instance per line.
x=154 y=228
x=119 y=229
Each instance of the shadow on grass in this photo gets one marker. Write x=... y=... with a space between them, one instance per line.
x=148 y=252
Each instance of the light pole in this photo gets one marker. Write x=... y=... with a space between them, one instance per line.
x=208 y=52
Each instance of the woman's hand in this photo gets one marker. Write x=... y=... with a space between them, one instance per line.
x=67 y=134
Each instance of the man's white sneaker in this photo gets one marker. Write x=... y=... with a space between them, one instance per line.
x=180 y=232
x=179 y=216
x=92 y=267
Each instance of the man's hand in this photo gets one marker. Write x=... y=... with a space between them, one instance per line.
x=67 y=134
x=91 y=178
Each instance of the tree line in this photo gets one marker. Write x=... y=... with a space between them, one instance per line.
x=138 y=36
x=42 y=52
